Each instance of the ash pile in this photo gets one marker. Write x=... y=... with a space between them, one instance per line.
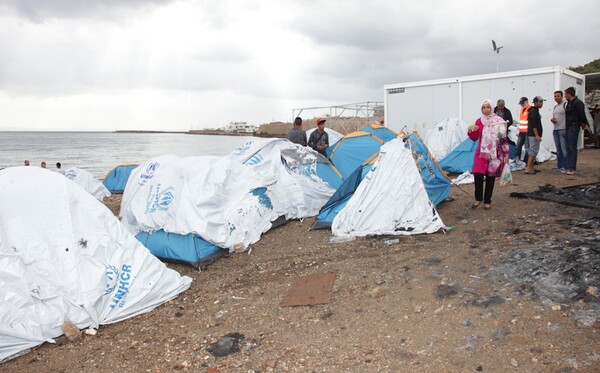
x=586 y=196
x=561 y=271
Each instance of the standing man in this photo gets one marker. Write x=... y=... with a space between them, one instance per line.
x=297 y=134
x=523 y=127
x=319 y=139
x=534 y=133
x=43 y=164
x=575 y=120
x=59 y=168
x=27 y=162
x=502 y=111
x=560 y=137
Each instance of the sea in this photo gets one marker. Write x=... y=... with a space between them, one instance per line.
x=100 y=152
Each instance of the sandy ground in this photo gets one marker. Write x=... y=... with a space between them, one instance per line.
x=426 y=303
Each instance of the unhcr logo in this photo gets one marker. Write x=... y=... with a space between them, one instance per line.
x=159 y=199
x=257 y=159
x=122 y=287
x=71 y=174
x=149 y=174
x=112 y=274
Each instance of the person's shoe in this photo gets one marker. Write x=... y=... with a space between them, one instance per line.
x=475 y=205
x=530 y=172
x=487 y=206
x=562 y=170
x=571 y=172
x=537 y=171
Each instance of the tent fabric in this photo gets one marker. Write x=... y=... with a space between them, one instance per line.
x=391 y=200
x=339 y=199
x=436 y=182
x=65 y=257
x=354 y=150
x=116 y=179
x=461 y=158
x=445 y=137
x=228 y=201
x=187 y=248
x=380 y=131
x=88 y=182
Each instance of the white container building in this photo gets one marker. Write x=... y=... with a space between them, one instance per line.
x=421 y=105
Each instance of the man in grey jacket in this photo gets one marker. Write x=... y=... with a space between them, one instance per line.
x=297 y=134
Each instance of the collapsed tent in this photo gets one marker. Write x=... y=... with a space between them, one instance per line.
x=391 y=200
x=226 y=201
x=460 y=159
x=445 y=137
x=116 y=179
x=88 y=182
x=65 y=257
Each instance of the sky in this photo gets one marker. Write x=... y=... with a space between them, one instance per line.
x=191 y=64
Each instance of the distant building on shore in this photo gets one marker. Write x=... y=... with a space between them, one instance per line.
x=241 y=127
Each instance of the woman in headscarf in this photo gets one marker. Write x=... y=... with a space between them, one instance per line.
x=491 y=155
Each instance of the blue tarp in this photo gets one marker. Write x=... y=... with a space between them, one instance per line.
x=116 y=179
x=436 y=182
x=339 y=199
x=189 y=248
x=461 y=158
x=328 y=173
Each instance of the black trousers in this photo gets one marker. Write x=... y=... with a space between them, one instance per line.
x=489 y=188
x=522 y=140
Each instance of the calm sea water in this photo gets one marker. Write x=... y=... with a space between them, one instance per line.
x=100 y=152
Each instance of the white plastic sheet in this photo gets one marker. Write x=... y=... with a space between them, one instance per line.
x=391 y=199
x=229 y=201
x=65 y=257
x=88 y=182
x=445 y=137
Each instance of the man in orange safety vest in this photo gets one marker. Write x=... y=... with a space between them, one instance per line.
x=523 y=122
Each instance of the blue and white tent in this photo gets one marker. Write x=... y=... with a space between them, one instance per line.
x=116 y=179
x=460 y=159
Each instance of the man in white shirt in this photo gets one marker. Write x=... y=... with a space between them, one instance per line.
x=559 y=133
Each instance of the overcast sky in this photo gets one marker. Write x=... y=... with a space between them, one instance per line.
x=188 y=64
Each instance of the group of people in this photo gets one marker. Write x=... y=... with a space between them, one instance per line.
x=59 y=168
x=491 y=132
x=318 y=139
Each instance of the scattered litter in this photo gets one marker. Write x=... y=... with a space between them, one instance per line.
x=391 y=242
x=227 y=345
x=91 y=331
x=310 y=290
x=485 y=301
x=586 y=196
x=341 y=239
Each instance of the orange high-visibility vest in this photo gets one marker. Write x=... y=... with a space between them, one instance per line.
x=523 y=122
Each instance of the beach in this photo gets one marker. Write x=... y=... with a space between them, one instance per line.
x=419 y=303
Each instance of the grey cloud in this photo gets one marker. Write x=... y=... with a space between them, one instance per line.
x=41 y=10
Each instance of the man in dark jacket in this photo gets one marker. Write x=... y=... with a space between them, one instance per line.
x=319 y=139
x=534 y=133
x=297 y=134
x=502 y=111
x=575 y=120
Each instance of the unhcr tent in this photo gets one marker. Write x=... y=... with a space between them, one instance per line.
x=116 y=179
x=226 y=201
x=391 y=200
x=88 y=182
x=461 y=158
x=446 y=136
x=65 y=257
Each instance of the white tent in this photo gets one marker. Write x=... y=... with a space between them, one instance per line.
x=65 y=257
x=391 y=199
x=229 y=201
x=543 y=155
x=88 y=182
x=445 y=137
